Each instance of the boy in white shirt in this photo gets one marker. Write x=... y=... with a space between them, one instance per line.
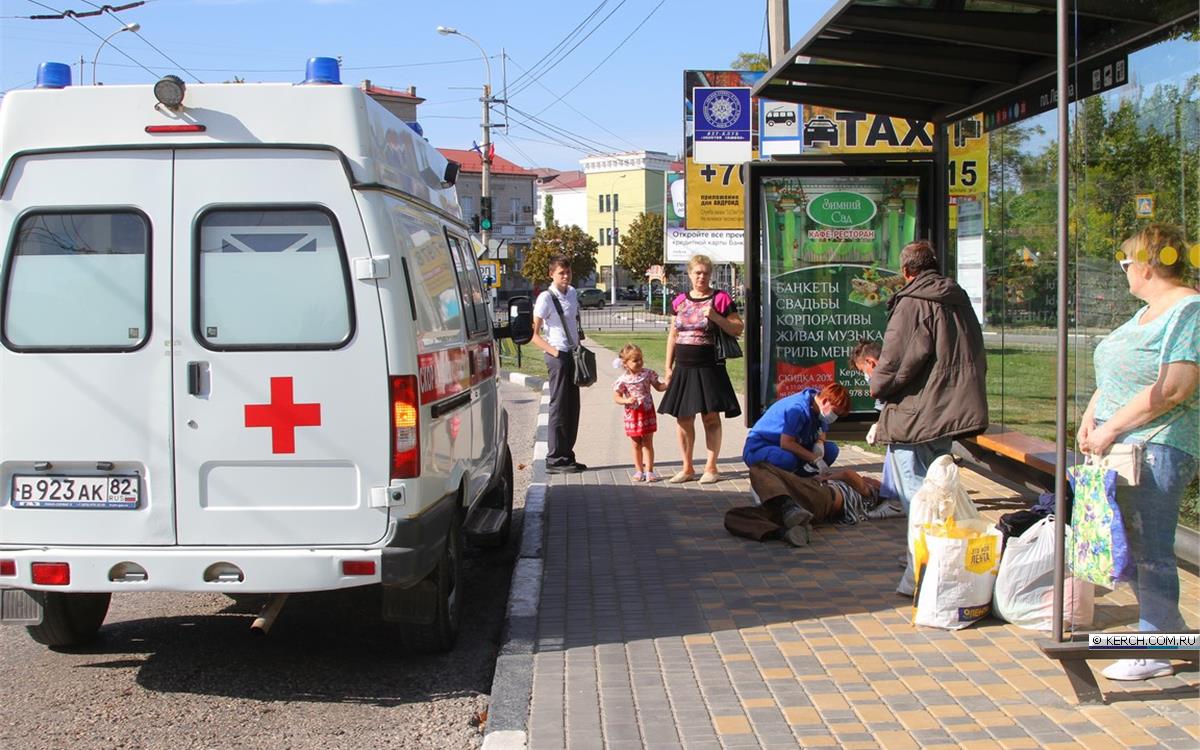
x=562 y=333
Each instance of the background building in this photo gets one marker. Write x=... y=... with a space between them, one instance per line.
x=512 y=189
x=569 y=190
x=619 y=187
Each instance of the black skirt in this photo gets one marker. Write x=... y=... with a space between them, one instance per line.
x=699 y=384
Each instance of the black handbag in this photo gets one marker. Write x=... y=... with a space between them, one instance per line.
x=727 y=346
x=584 y=358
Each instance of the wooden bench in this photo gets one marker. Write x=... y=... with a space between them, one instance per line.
x=1016 y=456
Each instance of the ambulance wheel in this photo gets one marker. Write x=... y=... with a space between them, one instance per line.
x=70 y=619
x=439 y=635
x=500 y=497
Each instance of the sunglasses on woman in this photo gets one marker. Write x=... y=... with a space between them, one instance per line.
x=1124 y=263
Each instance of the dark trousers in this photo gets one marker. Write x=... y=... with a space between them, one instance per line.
x=563 y=425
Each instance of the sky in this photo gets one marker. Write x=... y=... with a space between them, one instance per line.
x=615 y=85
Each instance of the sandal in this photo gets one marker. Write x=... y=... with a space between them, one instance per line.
x=638 y=477
x=650 y=476
x=710 y=477
x=681 y=477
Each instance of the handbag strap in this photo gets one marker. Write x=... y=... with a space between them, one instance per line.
x=562 y=318
x=1164 y=426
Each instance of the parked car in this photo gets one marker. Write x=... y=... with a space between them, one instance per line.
x=629 y=292
x=592 y=297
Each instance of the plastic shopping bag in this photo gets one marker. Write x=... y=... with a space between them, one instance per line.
x=956 y=572
x=1098 y=550
x=940 y=497
x=1024 y=592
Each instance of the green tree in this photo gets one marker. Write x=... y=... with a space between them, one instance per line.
x=751 y=61
x=548 y=241
x=548 y=212
x=642 y=243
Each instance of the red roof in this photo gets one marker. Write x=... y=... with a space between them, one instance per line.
x=372 y=89
x=554 y=180
x=471 y=161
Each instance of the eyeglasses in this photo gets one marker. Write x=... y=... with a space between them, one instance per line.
x=1125 y=263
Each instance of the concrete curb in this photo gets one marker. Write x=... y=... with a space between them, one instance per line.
x=527 y=381
x=512 y=683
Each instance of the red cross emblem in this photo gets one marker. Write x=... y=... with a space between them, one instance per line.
x=283 y=415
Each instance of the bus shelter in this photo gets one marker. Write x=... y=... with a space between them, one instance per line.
x=1091 y=114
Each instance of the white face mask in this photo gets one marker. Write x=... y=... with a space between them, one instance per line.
x=830 y=418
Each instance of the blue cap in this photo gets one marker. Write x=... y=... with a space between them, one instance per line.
x=416 y=126
x=53 y=75
x=322 y=70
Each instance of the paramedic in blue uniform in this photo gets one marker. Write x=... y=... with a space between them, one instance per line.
x=563 y=425
x=790 y=435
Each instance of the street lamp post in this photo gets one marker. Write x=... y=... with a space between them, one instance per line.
x=127 y=27
x=485 y=182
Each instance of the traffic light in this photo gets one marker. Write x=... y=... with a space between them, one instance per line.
x=485 y=212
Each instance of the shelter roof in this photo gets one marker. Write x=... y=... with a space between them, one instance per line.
x=942 y=60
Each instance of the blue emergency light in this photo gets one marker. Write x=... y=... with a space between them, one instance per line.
x=322 y=70
x=53 y=75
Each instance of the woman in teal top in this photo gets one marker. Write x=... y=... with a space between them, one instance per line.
x=1146 y=376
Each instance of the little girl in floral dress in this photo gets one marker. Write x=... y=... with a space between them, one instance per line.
x=632 y=389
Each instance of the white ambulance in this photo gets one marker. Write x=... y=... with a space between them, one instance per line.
x=244 y=348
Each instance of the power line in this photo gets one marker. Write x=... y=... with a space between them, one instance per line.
x=113 y=12
x=562 y=41
x=610 y=54
x=580 y=113
x=93 y=33
x=581 y=139
x=60 y=15
x=567 y=54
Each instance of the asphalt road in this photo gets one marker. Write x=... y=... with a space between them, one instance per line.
x=184 y=670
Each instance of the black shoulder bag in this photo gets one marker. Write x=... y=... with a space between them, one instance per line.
x=727 y=346
x=585 y=359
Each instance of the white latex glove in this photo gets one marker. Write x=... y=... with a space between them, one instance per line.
x=871 y=434
x=821 y=466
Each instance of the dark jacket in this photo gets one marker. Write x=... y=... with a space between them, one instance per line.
x=932 y=373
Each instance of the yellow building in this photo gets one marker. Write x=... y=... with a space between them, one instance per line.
x=619 y=187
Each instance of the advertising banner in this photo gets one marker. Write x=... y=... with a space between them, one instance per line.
x=832 y=263
x=681 y=243
x=839 y=131
x=714 y=189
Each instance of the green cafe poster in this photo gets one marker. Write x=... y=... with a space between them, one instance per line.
x=833 y=259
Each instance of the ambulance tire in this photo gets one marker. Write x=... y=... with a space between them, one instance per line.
x=501 y=496
x=439 y=635
x=70 y=620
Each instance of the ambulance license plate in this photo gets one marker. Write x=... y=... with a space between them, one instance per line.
x=111 y=492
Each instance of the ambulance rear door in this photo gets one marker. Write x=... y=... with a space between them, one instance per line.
x=282 y=416
x=85 y=368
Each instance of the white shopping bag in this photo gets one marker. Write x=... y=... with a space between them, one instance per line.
x=956 y=572
x=1024 y=592
x=941 y=496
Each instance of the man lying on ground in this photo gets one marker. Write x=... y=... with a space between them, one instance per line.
x=791 y=504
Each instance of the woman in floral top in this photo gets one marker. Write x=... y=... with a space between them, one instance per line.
x=1146 y=391
x=696 y=382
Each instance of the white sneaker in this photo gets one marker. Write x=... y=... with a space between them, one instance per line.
x=1138 y=669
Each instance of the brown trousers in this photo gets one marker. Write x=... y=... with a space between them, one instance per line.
x=775 y=486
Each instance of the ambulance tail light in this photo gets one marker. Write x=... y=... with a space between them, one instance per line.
x=8 y=568
x=406 y=415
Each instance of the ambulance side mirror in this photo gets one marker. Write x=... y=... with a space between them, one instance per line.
x=520 y=321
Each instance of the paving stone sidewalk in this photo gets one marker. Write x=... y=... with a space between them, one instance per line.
x=656 y=628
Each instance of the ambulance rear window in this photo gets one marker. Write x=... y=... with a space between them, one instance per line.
x=272 y=279
x=78 y=281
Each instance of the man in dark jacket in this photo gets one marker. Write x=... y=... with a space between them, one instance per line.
x=931 y=375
